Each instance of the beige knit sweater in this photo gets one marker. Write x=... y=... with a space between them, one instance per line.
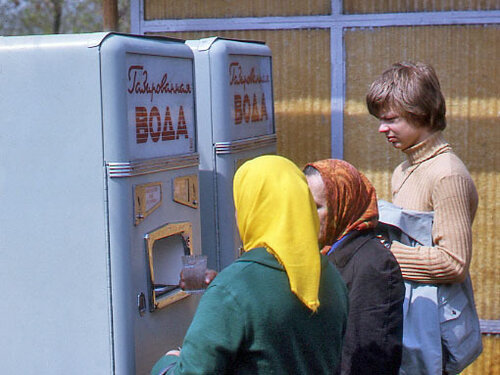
x=433 y=178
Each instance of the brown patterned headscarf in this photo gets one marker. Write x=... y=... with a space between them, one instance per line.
x=351 y=200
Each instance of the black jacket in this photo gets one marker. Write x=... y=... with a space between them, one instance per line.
x=373 y=339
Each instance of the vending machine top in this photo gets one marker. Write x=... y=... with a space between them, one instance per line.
x=235 y=78
x=113 y=53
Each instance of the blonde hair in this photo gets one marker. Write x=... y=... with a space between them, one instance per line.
x=413 y=91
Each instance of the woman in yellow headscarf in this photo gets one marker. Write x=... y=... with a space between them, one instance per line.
x=281 y=308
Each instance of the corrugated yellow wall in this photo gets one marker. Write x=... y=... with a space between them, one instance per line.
x=487 y=363
x=389 y=6
x=163 y=9
x=301 y=79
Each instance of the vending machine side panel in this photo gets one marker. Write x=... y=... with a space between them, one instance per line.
x=208 y=179
x=55 y=300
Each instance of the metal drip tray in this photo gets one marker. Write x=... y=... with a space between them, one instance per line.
x=162 y=289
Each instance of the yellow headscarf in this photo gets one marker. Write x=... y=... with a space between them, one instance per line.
x=275 y=210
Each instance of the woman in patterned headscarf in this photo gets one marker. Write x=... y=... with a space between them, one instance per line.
x=347 y=207
x=281 y=308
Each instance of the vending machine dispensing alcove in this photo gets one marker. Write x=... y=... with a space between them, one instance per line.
x=235 y=115
x=99 y=196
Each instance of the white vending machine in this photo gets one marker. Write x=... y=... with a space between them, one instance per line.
x=235 y=123
x=99 y=196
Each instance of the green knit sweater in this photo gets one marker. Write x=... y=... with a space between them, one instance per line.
x=249 y=322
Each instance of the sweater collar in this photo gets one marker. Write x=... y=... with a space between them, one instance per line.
x=262 y=256
x=433 y=145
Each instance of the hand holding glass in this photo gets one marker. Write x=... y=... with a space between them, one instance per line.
x=193 y=273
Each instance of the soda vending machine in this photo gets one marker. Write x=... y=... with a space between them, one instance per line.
x=99 y=196
x=235 y=115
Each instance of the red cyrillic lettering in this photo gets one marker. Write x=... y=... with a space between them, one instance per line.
x=168 y=133
x=247 y=108
x=181 y=125
x=238 y=114
x=255 y=109
x=263 y=108
x=154 y=114
x=141 y=124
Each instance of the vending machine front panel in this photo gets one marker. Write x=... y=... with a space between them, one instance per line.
x=152 y=188
x=235 y=115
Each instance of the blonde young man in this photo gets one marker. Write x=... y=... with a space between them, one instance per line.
x=407 y=100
